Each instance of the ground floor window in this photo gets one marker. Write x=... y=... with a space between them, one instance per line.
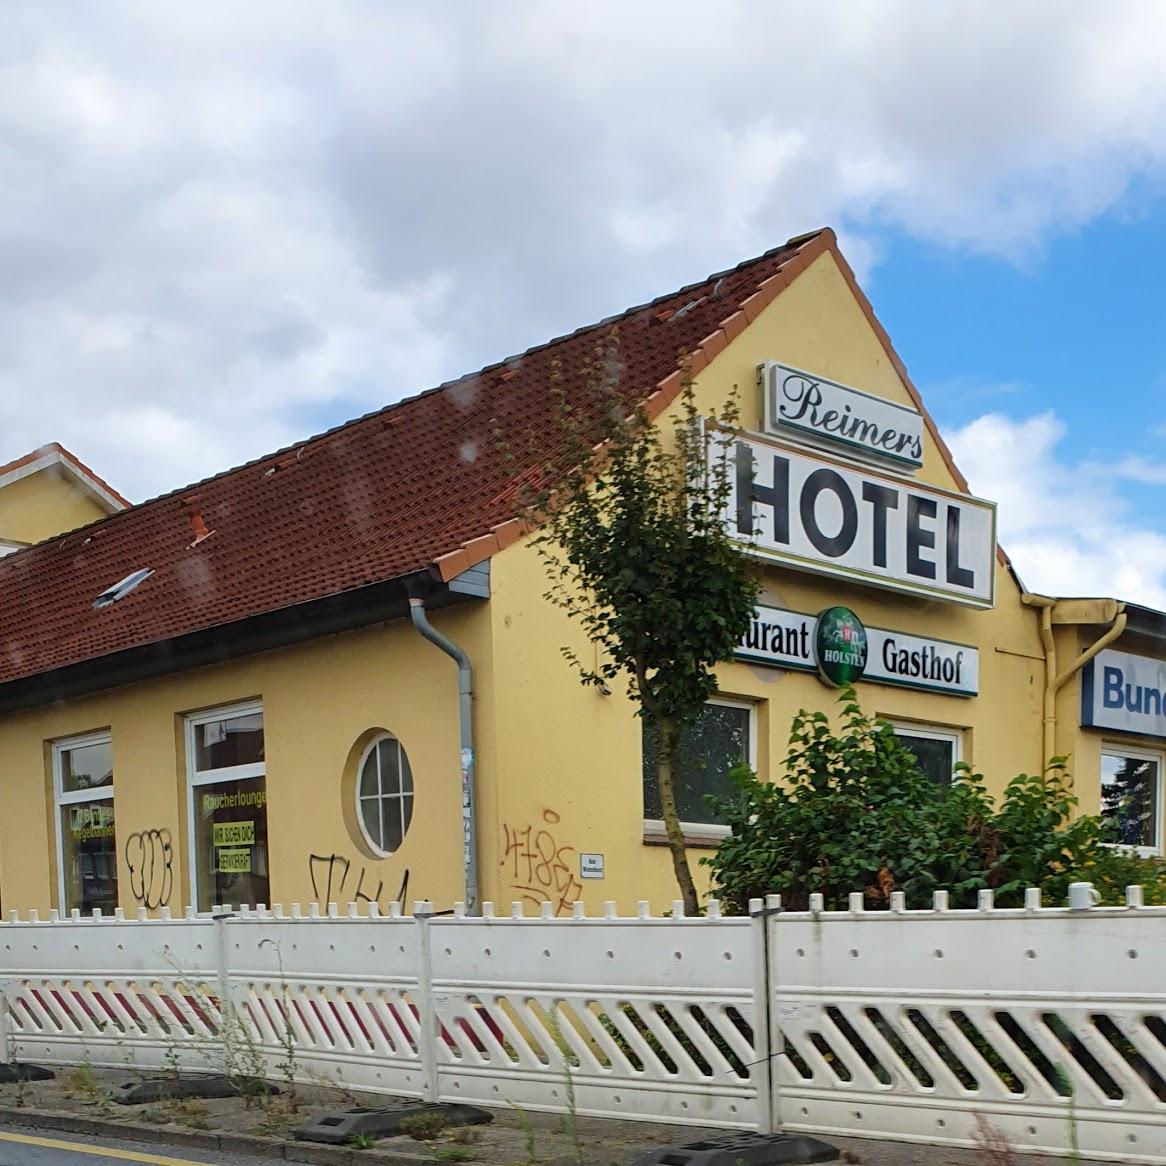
x=86 y=839
x=1131 y=795
x=937 y=750
x=723 y=736
x=228 y=807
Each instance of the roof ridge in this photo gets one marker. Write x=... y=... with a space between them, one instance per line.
x=607 y=321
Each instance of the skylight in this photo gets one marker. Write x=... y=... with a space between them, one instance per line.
x=122 y=589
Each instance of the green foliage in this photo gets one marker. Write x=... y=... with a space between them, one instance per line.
x=453 y=1154
x=633 y=540
x=853 y=812
x=638 y=554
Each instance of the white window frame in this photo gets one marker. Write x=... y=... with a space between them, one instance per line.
x=63 y=797
x=196 y=778
x=714 y=829
x=933 y=733
x=372 y=745
x=1116 y=748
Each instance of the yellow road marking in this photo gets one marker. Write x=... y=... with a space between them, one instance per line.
x=100 y=1151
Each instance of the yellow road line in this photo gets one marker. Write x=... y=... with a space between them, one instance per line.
x=100 y=1151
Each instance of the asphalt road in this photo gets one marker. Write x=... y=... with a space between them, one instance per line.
x=26 y=1149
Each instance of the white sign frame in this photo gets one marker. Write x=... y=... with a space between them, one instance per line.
x=832 y=401
x=798 y=628
x=858 y=561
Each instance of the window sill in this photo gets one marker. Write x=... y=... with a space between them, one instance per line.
x=1140 y=851
x=696 y=836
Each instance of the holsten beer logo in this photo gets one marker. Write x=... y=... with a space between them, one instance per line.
x=841 y=645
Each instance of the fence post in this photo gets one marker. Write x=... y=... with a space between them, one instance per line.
x=763 y=1068
x=428 y=1033
x=8 y=1050
x=223 y=978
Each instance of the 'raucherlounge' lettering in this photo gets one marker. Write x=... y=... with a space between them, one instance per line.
x=846 y=521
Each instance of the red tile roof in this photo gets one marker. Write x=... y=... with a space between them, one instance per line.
x=419 y=483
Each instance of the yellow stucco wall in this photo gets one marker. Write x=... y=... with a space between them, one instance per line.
x=569 y=758
x=559 y=765
x=318 y=700
x=44 y=504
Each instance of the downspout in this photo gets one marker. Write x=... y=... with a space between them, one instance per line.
x=466 y=725
x=1054 y=680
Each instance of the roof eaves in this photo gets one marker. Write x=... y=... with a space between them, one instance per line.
x=811 y=247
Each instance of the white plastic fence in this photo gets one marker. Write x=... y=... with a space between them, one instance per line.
x=1048 y=1024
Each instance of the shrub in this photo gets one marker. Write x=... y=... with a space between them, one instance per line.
x=855 y=813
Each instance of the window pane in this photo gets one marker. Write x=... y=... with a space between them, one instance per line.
x=234 y=740
x=89 y=855
x=370 y=815
x=368 y=777
x=394 y=834
x=390 y=752
x=1129 y=795
x=86 y=766
x=936 y=757
x=717 y=742
x=231 y=842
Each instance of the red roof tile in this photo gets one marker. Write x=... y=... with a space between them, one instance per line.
x=420 y=483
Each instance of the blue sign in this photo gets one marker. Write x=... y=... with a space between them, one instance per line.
x=1124 y=692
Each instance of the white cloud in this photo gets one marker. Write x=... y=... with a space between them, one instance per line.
x=226 y=226
x=1066 y=526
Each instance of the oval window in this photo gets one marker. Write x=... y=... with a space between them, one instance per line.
x=384 y=794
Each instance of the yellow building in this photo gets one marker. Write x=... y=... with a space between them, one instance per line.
x=258 y=688
x=49 y=491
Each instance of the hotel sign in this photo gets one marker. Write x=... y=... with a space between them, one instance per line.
x=812 y=405
x=1124 y=692
x=790 y=639
x=816 y=514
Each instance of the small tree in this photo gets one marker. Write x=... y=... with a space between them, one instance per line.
x=638 y=553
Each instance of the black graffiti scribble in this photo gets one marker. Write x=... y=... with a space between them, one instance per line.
x=329 y=874
x=150 y=857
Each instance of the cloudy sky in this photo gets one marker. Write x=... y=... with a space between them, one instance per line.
x=224 y=227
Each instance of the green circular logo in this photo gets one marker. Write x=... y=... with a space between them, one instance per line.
x=840 y=645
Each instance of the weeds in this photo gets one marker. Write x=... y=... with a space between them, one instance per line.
x=423 y=1127
x=189 y=1111
x=464 y=1135
x=79 y=1082
x=286 y=1067
x=453 y=1154
x=572 y=1115
x=362 y=1141
x=527 y=1126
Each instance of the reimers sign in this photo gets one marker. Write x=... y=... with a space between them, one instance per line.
x=813 y=405
x=790 y=639
x=823 y=516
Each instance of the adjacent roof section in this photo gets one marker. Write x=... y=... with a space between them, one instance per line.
x=423 y=484
x=55 y=454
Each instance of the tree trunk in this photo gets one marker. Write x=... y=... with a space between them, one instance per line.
x=664 y=776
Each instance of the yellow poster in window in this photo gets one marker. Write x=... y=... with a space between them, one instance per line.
x=234 y=861
x=234 y=834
